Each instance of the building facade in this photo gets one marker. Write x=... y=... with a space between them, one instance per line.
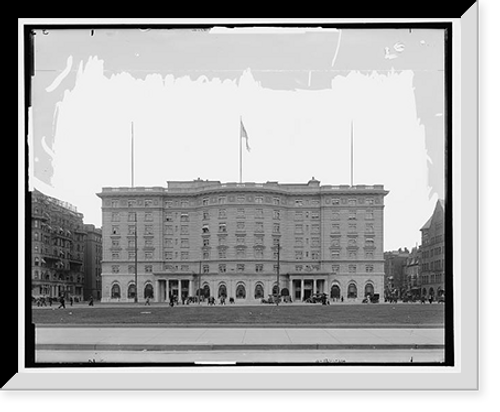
x=412 y=273
x=432 y=256
x=92 y=262
x=57 y=248
x=394 y=267
x=221 y=239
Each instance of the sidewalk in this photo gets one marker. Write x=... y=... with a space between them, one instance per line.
x=230 y=339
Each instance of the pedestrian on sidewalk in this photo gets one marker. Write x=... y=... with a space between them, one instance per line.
x=61 y=303
x=91 y=301
x=71 y=301
x=147 y=301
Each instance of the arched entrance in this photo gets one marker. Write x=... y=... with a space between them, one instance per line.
x=206 y=291
x=369 y=290
x=259 y=291
x=335 y=292
x=285 y=292
x=241 y=292
x=148 y=291
x=131 y=292
x=222 y=291
x=352 y=291
x=115 y=292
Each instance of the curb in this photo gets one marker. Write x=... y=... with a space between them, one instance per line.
x=231 y=347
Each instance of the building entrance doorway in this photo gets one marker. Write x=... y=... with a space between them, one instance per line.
x=335 y=292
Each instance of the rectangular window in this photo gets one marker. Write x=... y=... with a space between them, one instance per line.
x=369 y=242
x=184 y=255
x=222 y=228
x=299 y=216
x=131 y=203
x=148 y=217
x=169 y=230
x=148 y=229
x=206 y=215
x=185 y=242
x=222 y=253
x=335 y=268
x=148 y=269
x=169 y=255
x=259 y=268
x=240 y=226
x=335 y=202
x=315 y=215
x=184 y=203
x=115 y=217
x=115 y=203
x=314 y=228
x=258 y=253
x=259 y=240
x=259 y=213
x=206 y=269
x=115 y=243
x=369 y=215
x=352 y=268
x=299 y=229
x=206 y=241
x=222 y=200
x=131 y=229
x=315 y=242
x=298 y=203
x=115 y=256
x=206 y=254
x=369 y=268
x=352 y=202
x=352 y=216
x=258 y=199
x=315 y=255
x=131 y=255
x=222 y=268
x=240 y=268
x=115 y=230
x=184 y=217
x=276 y=201
x=352 y=227
x=222 y=214
x=298 y=268
x=298 y=255
x=276 y=228
x=148 y=203
x=240 y=214
x=276 y=214
x=184 y=229
x=259 y=227
x=299 y=241
x=168 y=242
x=205 y=202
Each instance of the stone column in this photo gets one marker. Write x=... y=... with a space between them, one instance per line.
x=301 y=290
x=315 y=286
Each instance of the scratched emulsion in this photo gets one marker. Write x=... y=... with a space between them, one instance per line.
x=298 y=93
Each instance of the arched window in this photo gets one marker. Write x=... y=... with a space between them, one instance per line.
x=148 y=291
x=352 y=291
x=222 y=291
x=335 y=292
x=131 y=292
x=275 y=290
x=206 y=291
x=431 y=292
x=285 y=292
x=369 y=291
x=240 y=292
x=424 y=292
x=259 y=291
x=115 y=292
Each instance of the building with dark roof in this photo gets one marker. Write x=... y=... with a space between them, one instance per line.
x=433 y=254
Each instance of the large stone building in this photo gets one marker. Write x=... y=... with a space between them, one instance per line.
x=221 y=239
x=394 y=267
x=57 y=247
x=432 y=256
x=92 y=262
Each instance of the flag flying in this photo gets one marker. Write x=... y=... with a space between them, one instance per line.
x=243 y=134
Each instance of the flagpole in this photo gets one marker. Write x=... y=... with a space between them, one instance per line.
x=132 y=153
x=352 y=156
x=241 y=155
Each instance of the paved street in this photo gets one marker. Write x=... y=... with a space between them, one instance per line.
x=184 y=343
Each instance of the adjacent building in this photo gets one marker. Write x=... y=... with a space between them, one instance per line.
x=394 y=268
x=412 y=273
x=433 y=254
x=236 y=240
x=57 y=248
x=92 y=262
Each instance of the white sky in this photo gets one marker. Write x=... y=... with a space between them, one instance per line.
x=186 y=114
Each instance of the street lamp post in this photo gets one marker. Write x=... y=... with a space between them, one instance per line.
x=135 y=259
x=278 y=276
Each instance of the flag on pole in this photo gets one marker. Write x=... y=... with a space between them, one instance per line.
x=243 y=134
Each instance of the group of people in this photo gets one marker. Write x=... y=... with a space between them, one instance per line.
x=62 y=301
